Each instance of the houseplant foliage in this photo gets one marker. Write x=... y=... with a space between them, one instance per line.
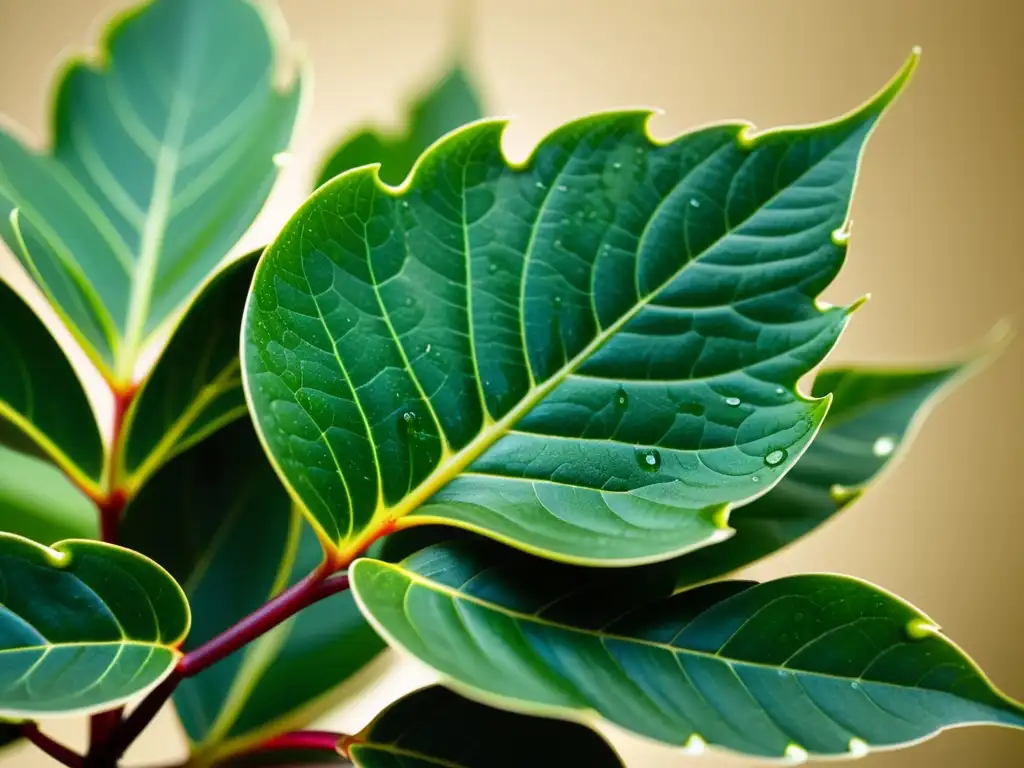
x=522 y=422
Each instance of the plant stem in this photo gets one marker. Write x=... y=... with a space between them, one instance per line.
x=316 y=586
x=57 y=751
x=322 y=741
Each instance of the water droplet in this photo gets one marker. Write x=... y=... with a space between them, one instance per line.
x=616 y=165
x=694 y=202
x=409 y=417
x=621 y=399
x=539 y=184
x=756 y=479
x=427 y=350
x=859 y=748
x=780 y=391
x=733 y=401
x=562 y=188
x=558 y=299
x=405 y=203
x=884 y=446
x=775 y=458
x=648 y=459
x=855 y=685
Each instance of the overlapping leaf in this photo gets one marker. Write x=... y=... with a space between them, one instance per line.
x=435 y=727
x=83 y=626
x=195 y=387
x=449 y=104
x=212 y=513
x=162 y=156
x=806 y=665
x=590 y=356
x=43 y=407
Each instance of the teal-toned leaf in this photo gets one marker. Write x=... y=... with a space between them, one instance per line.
x=448 y=104
x=196 y=386
x=873 y=411
x=210 y=514
x=808 y=665
x=162 y=156
x=590 y=356
x=38 y=501
x=436 y=727
x=83 y=626
x=43 y=407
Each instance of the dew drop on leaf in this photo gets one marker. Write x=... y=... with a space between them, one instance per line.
x=694 y=202
x=648 y=459
x=621 y=399
x=775 y=458
x=733 y=401
x=884 y=446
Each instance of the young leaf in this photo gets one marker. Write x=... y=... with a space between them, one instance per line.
x=590 y=356
x=37 y=501
x=872 y=413
x=216 y=511
x=435 y=727
x=807 y=665
x=450 y=103
x=162 y=157
x=43 y=407
x=195 y=387
x=83 y=626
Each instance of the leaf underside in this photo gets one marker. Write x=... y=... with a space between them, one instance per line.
x=589 y=357
x=436 y=727
x=83 y=626
x=806 y=665
x=162 y=157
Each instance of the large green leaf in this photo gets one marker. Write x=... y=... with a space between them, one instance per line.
x=43 y=407
x=872 y=413
x=590 y=356
x=83 y=626
x=448 y=104
x=212 y=513
x=38 y=501
x=806 y=665
x=195 y=387
x=435 y=727
x=162 y=157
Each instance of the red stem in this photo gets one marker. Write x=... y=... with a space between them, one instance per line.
x=57 y=751
x=322 y=741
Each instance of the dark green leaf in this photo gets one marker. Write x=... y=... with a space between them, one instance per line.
x=450 y=103
x=162 y=157
x=195 y=387
x=213 y=512
x=37 y=501
x=435 y=727
x=806 y=665
x=83 y=626
x=590 y=356
x=43 y=407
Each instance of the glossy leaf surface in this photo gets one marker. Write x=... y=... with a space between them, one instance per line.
x=162 y=156
x=38 y=502
x=806 y=665
x=436 y=727
x=196 y=386
x=43 y=407
x=590 y=356
x=83 y=626
x=449 y=104
x=872 y=413
x=216 y=511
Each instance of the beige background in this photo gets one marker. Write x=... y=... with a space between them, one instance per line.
x=936 y=239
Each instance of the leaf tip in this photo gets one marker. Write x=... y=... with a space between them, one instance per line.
x=695 y=745
x=795 y=754
x=57 y=557
x=858 y=748
x=858 y=304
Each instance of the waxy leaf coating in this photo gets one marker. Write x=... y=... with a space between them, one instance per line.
x=163 y=154
x=83 y=626
x=436 y=728
x=807 y=665
x=590 y=356
x=38 y=501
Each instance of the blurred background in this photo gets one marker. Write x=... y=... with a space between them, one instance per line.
x=936 y=241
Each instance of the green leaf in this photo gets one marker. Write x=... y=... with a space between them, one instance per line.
x=196 y=386
x=807 y=665
x=590 y=356
x=216 y=511
x=37 y=501
x=450 y=103
x=84 y=626
x=162 y=156
x=435 y=727
x=43 y=407
x=873 y=412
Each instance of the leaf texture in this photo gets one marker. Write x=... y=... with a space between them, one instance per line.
x=162 y=156
x=590 y=356
x=83 y=626
x=808 y=665
x=436 y=727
